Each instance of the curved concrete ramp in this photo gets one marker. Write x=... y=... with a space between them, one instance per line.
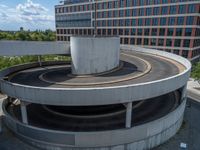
x=22 y=48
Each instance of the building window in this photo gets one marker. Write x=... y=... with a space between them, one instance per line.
x=182 y=9
x=162 y=32
x=121 y=13
x=132 y=41
x=133 y=31
x=127 y=22
x=188 y=31
x=134 y=12
x=164 y=10
x=148 y=11
x=160 y=42
x=156 y=11
x=146 y=41
x=155 y=21
x=125 y=40
x=121 y=32
x=191 y=8
x=146 y=32
x=177 y=42
x=141 y=12
x=176 y=52
x=186 y=43
x=153 y=42
x=185 y=53
x=163 y=21
x=139 y=31
x=127 y=31
x=178 y=31
x=114 y=31
x=154 y=32
x=128 y=12
x=171 y=21
x=121 y=22
x=140 y=22
x=172 y=10
x=190 y=20
x=147 y=22
x=169 y=42
x=170 y=32
x=133 y=22
x=180 y=20
x=139 y=41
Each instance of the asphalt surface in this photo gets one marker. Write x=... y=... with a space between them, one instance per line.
x=160 y=68
x=96 y=118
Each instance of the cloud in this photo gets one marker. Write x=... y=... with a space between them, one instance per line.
x=28 y=14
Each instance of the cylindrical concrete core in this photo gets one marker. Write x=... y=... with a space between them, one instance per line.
x=91 y=55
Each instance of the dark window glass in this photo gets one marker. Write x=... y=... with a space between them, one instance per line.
x=133 y=31
x=163 y=21
x=160 y=42
x=180 y=20
x=120 y=31
x=188 y=31
x=162 y=32
x=133 y=22
x=139 y=31
x=186 y=43
x=177 y=42
x=127 y=32
x=146 y=32
x=172 y=10
x=170 y=32
x=171 y=21
x=147 y=22
x=153 y=42
x=139 y=41
x=164 y=10
x=169 y=42
x=156 y=11
x=154 y=32
x=132 y=41
x=146 y=41
x=191 y=8
x=140 y=22
x=155 y=21
x=185 y=53
x=178 y=32
x=182 y=9
x=141 y=12
x=148 y=11
x=190 y=20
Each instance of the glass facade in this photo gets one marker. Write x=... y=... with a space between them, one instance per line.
x=169 y=25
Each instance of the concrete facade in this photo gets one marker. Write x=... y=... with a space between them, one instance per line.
x=91 y=55
x=141 y=137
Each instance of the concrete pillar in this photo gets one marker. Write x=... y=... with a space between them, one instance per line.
x=128 y=114
x=24 y=112
x=40 y=60
x=184 y=92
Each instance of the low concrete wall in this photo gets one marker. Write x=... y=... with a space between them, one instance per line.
x=141 y=137
x=92 y=55
x=21 y=48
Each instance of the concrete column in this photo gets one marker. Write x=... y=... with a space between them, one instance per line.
x=184 y=92
x=128 y=114
x=40 y=60
x=24 y=112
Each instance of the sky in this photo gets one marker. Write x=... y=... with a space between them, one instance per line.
x=29 y=14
